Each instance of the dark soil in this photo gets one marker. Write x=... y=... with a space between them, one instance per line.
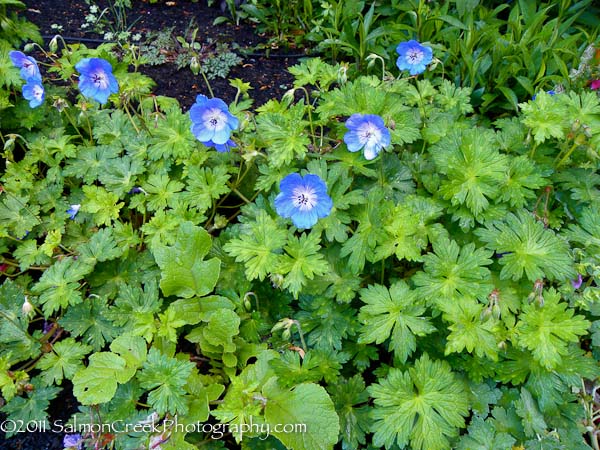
x=266 y=71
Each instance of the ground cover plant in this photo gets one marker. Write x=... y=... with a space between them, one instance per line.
x=375 y=259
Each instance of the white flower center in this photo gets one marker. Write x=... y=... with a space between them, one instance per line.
x=100 y=80
x=369 y=134
x=304 y=197
x=29 y=68
x=414 y=56
x=38 y=92
x=215 y=119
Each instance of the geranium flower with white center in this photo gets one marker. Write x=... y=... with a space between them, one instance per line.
x=34 y=92
x=368 y=132
x=212 y=123
x=413 y=57
x=28 y=66
x=96 y=80
x=303 y=199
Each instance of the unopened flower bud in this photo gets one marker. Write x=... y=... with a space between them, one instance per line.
x=53 y=45
x=220 y=221
x=276 y=280
x=27 y=307
x=29 y=47
x=195 y=65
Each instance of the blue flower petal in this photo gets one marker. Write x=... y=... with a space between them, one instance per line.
x=305 y=219
x=359 y=123
x=419 y=64
x=212 y=123
x=318 y=203
x=284 y=205
x=28 y=66
x=34 y=92
x=96 y=80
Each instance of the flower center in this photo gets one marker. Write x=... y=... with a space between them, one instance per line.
x=414 y=56
x=100 y=80
x=304 y=198
x=369 y=134
x=38 y=92
x=29 y=68
x=215 y=119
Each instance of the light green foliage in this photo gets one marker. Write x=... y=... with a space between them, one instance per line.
x=63 y=361
x=165 y=378
x=16 y=342
x=17 y=217
x=484 y=436
x=530 y=248
x=473 y=167
x=394 y=314
x=258 y=245
x=102 y=204
x=452 y=273
x=437 y=305
x=97 y=383
x=88 y=319
x=172 y=137
x=409 y=230
x=205 y=185
x=283 y=134
x=423 y=406
x=545 y=116
x=59 y=285
x=301 y=262
x=468 y=331
x=306 y=404
x=185 y=273
x=32 y=407
x=546 y=330
x=350 y=398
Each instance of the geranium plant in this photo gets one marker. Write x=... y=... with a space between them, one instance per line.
x=370 y=266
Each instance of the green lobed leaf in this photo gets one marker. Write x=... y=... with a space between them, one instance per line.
x=97 y=383
x=165 y=378
x=546 y=330
x=393 y=314
x=527 y=246
x=424 y=406
x=258 y=246
x=184 y=272
x=307 y=404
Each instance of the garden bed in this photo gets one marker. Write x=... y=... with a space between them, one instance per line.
x=263 y=67
x=403 y=254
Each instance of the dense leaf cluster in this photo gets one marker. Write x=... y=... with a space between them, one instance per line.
x=449 y=300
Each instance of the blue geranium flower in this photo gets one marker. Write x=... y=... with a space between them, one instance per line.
x=96 y=79
x=73 y=210
x=414 y=57
x=212 y=123
x=72 y=441
x=303 y=199
x=34 y=92
x=366 y=131
x=550 y=93
x=28 y=66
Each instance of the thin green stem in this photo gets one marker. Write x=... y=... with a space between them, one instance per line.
x=301 y=335
x=73 y=123
x=566 y=156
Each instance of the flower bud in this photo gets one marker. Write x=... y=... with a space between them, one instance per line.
x=53 y=45
x=29 y=47
x=27 y=307
x=195 y=65
x=220 y=221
